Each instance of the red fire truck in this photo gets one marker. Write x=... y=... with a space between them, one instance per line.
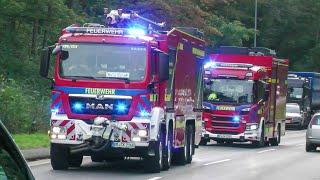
x=244 y=96
x=121 y=92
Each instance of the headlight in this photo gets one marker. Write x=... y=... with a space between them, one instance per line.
x=251 y=127
x=142 y=132
x=58 y=130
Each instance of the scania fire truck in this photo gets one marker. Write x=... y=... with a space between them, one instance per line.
x=126 y=92
x=244 y=96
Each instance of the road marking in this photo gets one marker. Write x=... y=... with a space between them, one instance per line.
x=299 y=144
x=265 y=151
x=39 y=163
x=154 y=178
x=216 y=162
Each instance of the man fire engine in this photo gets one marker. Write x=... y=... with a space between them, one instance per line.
x=122 y=92
x=244 y=96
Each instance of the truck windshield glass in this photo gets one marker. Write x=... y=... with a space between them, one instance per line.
x=229 y=91
x=295 y=92
x=101 y=61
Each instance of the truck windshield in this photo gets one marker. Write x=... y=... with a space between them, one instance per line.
x=103 y=61
x=229 y=91
x=292 y=109
x=295 y=92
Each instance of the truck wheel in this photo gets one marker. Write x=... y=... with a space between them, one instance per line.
x=203 y=142
x=220 y=141
x=75 y=160
x=153 y=164
x=276 y=141
x=167 y=153
x=190 y=143
x=261 y=143
x=59 y=156
x=180 y=157
x=310 y=147
x=96 y=158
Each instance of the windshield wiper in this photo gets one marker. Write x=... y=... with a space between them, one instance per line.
x=126 y=80
x=79 y=77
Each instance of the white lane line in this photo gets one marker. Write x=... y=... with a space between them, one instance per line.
x=268 y=150
x=216 y=162
x=299 y=144
x=154 y=178
x=39 y=163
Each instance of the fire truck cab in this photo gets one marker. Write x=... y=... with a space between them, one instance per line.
x=125 y=92
x=244 y=96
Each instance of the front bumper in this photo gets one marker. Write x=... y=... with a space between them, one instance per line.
x=246 y=136
x=311 y=140
x=78 y=131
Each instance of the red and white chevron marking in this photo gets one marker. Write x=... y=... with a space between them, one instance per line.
x=70 y=126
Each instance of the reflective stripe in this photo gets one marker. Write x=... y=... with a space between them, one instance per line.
x=198 y=52
x=167 y=97
x=260 y=111
x=180 y=46
x=154 y=97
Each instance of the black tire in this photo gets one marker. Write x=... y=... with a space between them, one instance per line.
x=59 y=156
x=153 y=164
x=167 y=152
x=190 y=143
x=261 y=143
x=276 y=141
x=96 y=158
x=203 y=142
x=181 y=154
x=220 y=141
x=75 y=160
x=310 y=147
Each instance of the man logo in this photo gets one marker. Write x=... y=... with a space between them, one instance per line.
x=99 y=106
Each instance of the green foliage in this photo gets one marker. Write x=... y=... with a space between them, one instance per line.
x=30 y=141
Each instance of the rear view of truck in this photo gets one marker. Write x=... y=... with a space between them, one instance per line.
x=244 y=97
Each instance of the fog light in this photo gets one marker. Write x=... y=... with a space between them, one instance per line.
x=53 y=136
x=61 y=136
x=136 y=139
x=142 y=132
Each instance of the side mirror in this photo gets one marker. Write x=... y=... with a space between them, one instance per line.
x=266 y=95
x=44 y=62
x=163 y=67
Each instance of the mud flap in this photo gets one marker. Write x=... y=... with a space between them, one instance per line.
x=151 y=148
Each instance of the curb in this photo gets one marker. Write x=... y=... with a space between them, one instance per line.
x=36 y=154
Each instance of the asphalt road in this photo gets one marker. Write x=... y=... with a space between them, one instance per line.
x=289 y=161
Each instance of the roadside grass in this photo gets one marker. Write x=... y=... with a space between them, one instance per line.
x=30 y=141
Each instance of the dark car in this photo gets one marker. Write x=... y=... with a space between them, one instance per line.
x=294 y=116
x=12 y=163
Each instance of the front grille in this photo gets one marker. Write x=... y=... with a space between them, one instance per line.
x=221 y=118
x=225 y=124
x=224 y=132
x=93 y=106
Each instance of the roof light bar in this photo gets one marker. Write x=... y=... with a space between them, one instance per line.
x=107 y=31
x=221 y=64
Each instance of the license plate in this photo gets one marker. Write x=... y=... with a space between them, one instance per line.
x=123 y=145
x=224 y=136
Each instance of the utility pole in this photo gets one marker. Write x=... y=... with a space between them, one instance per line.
x=255 y=23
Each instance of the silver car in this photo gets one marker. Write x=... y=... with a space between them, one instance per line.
x=294 y=116
x=313 y=133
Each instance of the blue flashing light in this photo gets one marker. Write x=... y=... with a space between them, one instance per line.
x=210 y=64
x=55 y=110
x=77 y=106
x=236 y=118
x=137 y=32
x=144 y=113
x=121 y=107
